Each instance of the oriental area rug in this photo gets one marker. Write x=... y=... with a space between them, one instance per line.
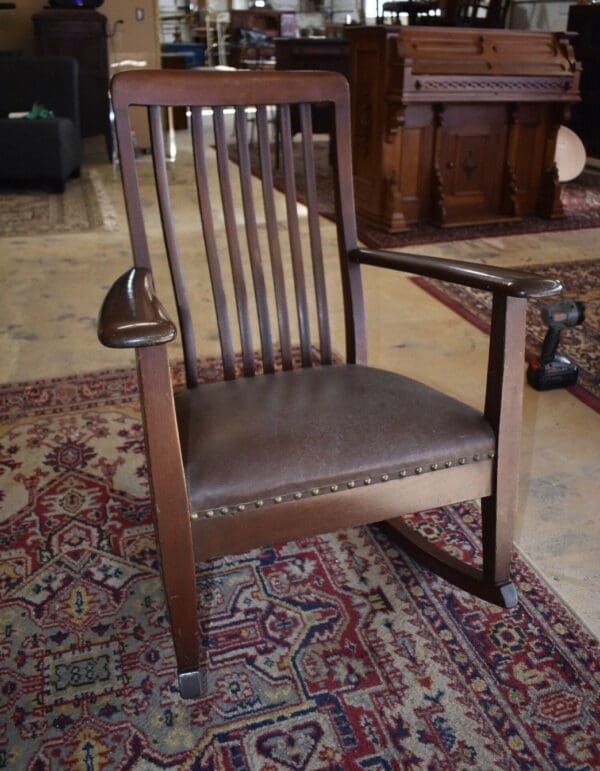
x=581 y=281
x=334 y=652
x=84 y=206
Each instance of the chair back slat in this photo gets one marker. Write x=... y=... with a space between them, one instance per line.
x=266 y=174
x=168 y=228
x=262 y=307
x=131 y=191
x=254 y=240
x=210 y=245
x=233 y=242
x=294 y=234
x=316 y=247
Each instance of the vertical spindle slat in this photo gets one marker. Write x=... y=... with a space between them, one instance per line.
x=294 y=234
x=260 y=292
x=131 y=191
x=266 y=174
x=314 y=230
x=210 y=245
x=168 y=227
x=237 y=271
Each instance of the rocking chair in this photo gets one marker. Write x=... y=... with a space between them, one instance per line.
x=274 y=453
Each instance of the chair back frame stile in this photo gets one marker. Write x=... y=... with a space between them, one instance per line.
x=252 y=460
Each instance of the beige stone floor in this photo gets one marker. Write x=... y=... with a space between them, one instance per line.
x=53 y=287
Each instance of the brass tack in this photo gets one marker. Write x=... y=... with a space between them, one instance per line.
x=351 y=485
x=223 y=509
x=278 y=499
x=259 y=503
x=314 y=491
x=385 y=477
x=462 y=461
x=434 y=467
x=448 y=464
x=334 y=488
x=241 y=507
x=476 y=457
x=209 y=513
x=297 y=496
x=402 y=473
x=419 y=470
x=368 y=481
x=194 y=515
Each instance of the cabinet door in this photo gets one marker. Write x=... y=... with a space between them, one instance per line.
x=470 y=163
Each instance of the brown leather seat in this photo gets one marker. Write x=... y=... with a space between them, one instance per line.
x=309 y=449
x=243 y=440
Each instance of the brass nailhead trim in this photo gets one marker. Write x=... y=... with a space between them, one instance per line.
x=240 y=507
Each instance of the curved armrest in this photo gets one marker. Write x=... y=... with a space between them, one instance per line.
x=131 y=315
x=512 y=283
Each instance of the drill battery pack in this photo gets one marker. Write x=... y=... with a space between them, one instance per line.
x=559 y=372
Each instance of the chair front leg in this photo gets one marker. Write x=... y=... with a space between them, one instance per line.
x=172 y=516
x=503 y=410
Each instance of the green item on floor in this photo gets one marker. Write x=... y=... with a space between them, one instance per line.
x=38 y=112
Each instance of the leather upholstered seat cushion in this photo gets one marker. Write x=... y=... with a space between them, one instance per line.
x=275 y=435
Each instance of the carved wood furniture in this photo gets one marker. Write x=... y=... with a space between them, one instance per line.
x=585 y=20
x=81 y=34
x=263 y=458
x=457 y=126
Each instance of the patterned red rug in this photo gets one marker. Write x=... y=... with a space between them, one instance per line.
x=581 y=343
x=580 y=198
x=333 y=653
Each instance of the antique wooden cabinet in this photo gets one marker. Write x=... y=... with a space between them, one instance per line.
x=457 y=126
x=81 y=34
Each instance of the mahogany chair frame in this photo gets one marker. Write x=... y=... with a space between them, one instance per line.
x=133 y=317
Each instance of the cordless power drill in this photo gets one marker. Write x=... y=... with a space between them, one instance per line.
x=554 y=370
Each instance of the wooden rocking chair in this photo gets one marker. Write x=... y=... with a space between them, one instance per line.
x=264 y=458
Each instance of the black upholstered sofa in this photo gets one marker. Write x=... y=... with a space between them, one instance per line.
x=45 y=151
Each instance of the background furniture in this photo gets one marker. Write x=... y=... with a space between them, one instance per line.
x=268 y=23
x=585 y=20
x=82 y=35
x=457 y=126
x=46 y=151
x=264 y=458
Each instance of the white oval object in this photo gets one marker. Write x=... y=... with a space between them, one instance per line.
x=570 y=155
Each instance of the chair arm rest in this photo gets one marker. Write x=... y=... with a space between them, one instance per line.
x=131 y=315
x=513 y=283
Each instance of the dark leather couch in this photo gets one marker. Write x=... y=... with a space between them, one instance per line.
x=45 y=151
